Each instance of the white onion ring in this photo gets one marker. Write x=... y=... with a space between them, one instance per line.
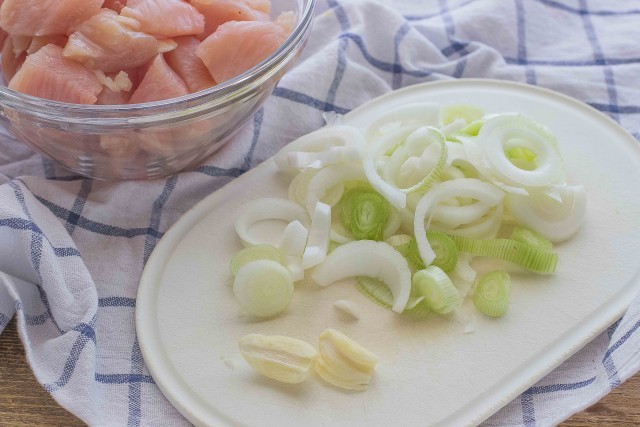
x=372 y=259
x=264 y=209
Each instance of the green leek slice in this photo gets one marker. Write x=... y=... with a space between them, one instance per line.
x=531 y=238
x=437 y=289
x=254 y=253
x=519 y=253
x=364 y=213
x=473 y=129
x=468 y=113
x=445 y=249
x=263 y=288
x=379 y=293
x=491 y=296
x=407 y=246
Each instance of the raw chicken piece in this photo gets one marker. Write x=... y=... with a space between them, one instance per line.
x=166 y=45
x=45 y=17
x=109 y=42
x=165 y=18
x=287 y=20
x=20 y=44
x=49 y=75
x=236 y=47
x=39 y=42
x=261 y=5
x=160 y=82
x=117 y=88
x=188 y=66
x=217 y=12
x=116 y=5
x=10 y=62
x=109 y=97
x=3 y=36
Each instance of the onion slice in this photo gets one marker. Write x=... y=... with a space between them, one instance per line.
x=552 y=219
x=299 y=153
x=422 y=137
x=294 y=239
x=467 y=187
x=327 y=179
x=318 y=242
x=508 y=133
x=372 y=259
x=267 y=208
x=416 y=114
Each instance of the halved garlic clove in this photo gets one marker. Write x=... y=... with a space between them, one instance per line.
x=281 y=358
x=343 y=362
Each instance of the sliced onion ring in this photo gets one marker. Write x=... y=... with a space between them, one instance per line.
x=372 y=259
x=467 y=187
x=264 y=209
x=398 y=196
x=318 y=242
x=544 y=214
x=320 y=141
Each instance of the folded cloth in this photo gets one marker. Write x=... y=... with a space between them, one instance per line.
x=72 y=250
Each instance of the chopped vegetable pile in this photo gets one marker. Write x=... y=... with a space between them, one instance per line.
x=405 y=205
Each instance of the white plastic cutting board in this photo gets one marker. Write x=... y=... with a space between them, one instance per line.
x=429 y=373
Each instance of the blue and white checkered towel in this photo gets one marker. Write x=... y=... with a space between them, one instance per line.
x=72 y=250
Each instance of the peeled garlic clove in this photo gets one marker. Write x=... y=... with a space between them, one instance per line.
x=343 y=362
x=281 y=358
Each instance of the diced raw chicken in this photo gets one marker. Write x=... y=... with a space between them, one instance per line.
x=160 y=143
x=3 y=36
x=109 y=42
x=119 y=146
x=116 y=5
x=160 y=82
x=117 y=88
x=217 y=12
x=260 y=5
x=166 y=45
x=109 y=97
x=165 y=18
x=136 y=75
x=238 y=46
x=287 y=20
x=20 y=44
x=45 y=17
x=10 y=62
x=47 y=74
x=39 y=42
x=188 y=66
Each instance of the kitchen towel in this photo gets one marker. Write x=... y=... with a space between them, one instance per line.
x=72 y=250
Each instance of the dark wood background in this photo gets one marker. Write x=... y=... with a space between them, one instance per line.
x=23 y=402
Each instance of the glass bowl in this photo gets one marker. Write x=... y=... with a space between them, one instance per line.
x=155 y=139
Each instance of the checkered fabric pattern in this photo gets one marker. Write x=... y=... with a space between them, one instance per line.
x=72 y=250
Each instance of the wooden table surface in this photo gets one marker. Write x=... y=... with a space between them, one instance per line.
x=23 y=402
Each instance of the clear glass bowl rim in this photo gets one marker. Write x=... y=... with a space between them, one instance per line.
x=153 y=113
